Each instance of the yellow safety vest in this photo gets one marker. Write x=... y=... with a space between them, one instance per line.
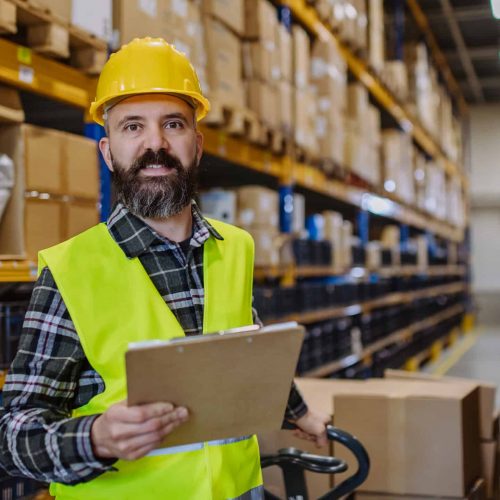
x=113 y=302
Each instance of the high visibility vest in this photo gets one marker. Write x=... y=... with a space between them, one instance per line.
x=112 y=302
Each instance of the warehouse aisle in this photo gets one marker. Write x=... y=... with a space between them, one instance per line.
x=481 y=361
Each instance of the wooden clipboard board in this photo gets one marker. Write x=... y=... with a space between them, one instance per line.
x=233 y=383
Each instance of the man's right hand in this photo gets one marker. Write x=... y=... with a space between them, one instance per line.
x=130 y=432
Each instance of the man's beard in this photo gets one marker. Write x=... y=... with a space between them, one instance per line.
x=155 y=197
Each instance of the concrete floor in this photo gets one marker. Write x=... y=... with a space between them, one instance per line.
x=481 y=361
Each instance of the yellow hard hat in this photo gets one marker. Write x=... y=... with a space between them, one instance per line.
x=147 y=66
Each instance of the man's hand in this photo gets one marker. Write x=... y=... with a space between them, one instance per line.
x=312 y=427
x=132 y=432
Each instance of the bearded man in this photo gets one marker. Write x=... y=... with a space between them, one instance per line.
x=145 y=274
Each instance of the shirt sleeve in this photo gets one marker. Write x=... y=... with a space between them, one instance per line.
x=296 y=406
x=49 y=376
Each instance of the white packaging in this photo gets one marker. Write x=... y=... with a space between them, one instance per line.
x=219 y=204
x=94 y=16
x=6 y=181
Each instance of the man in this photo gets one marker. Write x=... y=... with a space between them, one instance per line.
x=66 y=420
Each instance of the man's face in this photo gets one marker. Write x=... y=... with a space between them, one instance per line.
x=153 y=150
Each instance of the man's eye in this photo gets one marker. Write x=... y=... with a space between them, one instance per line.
x=174 y=125
x=132 y=127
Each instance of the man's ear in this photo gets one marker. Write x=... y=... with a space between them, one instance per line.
x=199 y=144
x=106 y=152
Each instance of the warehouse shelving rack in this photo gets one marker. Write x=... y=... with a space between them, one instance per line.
x=24 y=69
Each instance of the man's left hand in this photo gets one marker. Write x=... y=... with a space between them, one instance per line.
x=312 y=427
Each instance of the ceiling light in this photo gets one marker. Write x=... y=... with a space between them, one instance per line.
x=495 y=8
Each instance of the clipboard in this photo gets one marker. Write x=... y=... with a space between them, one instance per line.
x=233 y=383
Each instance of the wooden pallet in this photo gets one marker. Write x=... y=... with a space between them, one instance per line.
x=48 y=34
x=333 y=169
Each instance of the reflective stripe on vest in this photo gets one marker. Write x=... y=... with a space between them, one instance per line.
x=113 y=302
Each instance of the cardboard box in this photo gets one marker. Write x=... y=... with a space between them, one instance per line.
x=260 y=21
x=489 y=467
x=376 y=39
x=49 y=38
x=285 y=105
x=305 y=109
x=270 y=443
x=259 y=62
x=11 y=108
x=7 y=17
x=330 y=133
x=43 y=160
x=267 y=246
x=80 y=167
x=487 y=395
x=94 y=16
x=299 y=213
x=224 y=66
x=258 y=207
x=58 y=8
x=262 y=99
x=230 y=12
x=301 y=57
x=285 y=49
x=219 y=204
x=478 y=492
x=425 y=436
x=137 y=19
x=79 y=216
x=43 y=225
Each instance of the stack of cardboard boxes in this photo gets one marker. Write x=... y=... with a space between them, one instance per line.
x=258 y=213
x=329 y=78
x=376 y=35
x=362 y=135
x=261 y=62
x=398 y=164
x=428 y=438
x=305 y=102
x=56 y=189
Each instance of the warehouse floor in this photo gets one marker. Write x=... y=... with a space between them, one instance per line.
x=476 y=355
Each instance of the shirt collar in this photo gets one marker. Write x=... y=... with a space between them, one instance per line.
x=135 y=237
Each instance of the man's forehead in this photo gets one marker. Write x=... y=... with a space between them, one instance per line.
x=159 y=103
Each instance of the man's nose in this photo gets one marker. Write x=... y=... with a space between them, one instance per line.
x=155 y=139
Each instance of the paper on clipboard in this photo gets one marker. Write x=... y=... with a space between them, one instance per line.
x=233 y=383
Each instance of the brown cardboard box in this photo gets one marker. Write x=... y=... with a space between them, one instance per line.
x=49 y=38
x=305 y=109
x=263 y=100
x=376 y=52
x=487 y=394
x=424 y=435
x=260 y=21
x=329 y=73
x=257 y=62
x=301 y=57
x=139 y=19
x=330 y=133
x=285 y=105
x=58 y=8
x=317 y=394
x=11 y=109
x=258 y=207
x=79 y=216
x=80 y=167
x=7 y=17
x=223 y=50
x=489 y=467
x=477 y=492
x=230 y=12
x=357 y=102
x=267 y=246
x=270 y=443
x=285 y=49
x=43 y=225
x=42 y=161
